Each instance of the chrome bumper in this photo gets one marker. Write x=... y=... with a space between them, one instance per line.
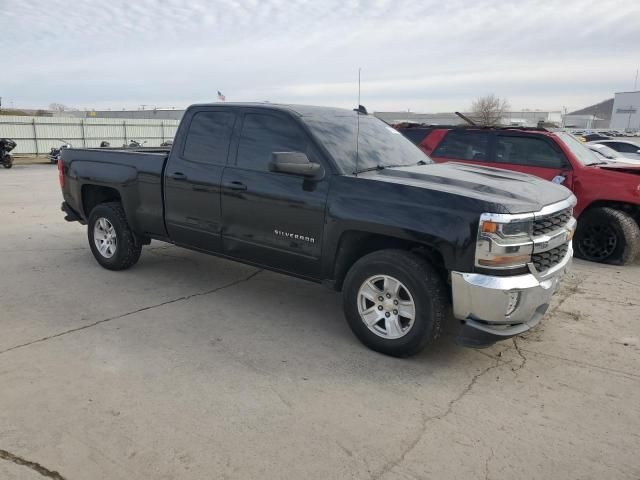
x=482 y=302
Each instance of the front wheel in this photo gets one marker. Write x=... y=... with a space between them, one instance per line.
x=395 y=302
x=111 y=240
x=607 y=235
x=7 y=161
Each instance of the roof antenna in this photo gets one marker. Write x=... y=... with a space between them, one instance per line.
x=358 y=111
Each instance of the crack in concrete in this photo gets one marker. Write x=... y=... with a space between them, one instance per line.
x=522 y=356
x=138 y=310
x=426 y=420
x=629 y=283
x=572 y=290
x=633 y=376
x=36 y=467
x=486 y=465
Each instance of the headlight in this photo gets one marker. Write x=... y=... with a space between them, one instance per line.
x=504 y=242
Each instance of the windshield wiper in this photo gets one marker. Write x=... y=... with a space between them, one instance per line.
x=370 y=169
x=597 y=163
x=382 y=167
x=421 y=162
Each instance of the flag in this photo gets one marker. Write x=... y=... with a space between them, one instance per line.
x=221 y=97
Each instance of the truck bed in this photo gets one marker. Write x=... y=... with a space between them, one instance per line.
x=136 y=173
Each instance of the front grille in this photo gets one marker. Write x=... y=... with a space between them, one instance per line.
x=551 y=223
x=545 y=260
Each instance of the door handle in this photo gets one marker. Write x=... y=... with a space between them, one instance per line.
x=178 y=176
x=236 y=186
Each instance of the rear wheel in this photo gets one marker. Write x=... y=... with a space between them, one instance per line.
x=394 y=302
x=7 y=161
x=607 y=235
x=111 y=240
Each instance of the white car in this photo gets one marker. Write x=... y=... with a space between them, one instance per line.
x=626 y=148
x=609 y=154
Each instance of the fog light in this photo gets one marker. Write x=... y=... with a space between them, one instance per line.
x=514 y=300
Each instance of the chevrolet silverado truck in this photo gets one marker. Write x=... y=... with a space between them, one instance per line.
x=608 y=192
x=340 y=198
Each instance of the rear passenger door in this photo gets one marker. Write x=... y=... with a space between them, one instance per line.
x=533 y=154
x=468 y=146
x=271 y=218
x=192 y=179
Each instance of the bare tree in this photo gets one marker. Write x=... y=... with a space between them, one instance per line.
x=488 y=110
x=58 y=107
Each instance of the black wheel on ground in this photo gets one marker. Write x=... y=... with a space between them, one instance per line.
x=395 y=302
x=112 y=242
x=607 y=235
x=7 y=161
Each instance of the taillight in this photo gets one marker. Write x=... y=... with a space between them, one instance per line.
x=60 y=173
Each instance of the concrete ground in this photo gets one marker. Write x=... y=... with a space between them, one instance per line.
x=192 y=367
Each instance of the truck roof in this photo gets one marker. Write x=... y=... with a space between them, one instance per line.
x=300 y=110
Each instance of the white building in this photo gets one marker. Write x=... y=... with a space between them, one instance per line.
x=626 y=111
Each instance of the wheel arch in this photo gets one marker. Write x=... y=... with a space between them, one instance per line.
x=355 y=244
x=93 y=195
x=627 y=207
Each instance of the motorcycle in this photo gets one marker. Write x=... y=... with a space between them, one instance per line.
x=55 y=153
x=135 y=144
x=6 y=145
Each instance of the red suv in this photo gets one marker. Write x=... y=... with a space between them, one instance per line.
x=608 y=209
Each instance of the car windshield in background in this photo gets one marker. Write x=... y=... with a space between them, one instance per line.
x=379 y=144
x=606 y=151
x=582 y=153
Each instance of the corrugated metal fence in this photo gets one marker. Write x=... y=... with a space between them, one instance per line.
x=36 y=135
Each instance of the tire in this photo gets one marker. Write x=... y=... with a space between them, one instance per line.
x=7 y=162
x=126 y=250
x=607 y=235
x=421 y=284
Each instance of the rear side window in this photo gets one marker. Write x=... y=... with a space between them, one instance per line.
x=416 y=135
x=463 y=146
x=625 y=147
x=208 y=137
x=530 y=151
x=262 y=135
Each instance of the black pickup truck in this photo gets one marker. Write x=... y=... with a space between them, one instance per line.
x=341 y=198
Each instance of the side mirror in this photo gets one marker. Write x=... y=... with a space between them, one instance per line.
x=295 y=163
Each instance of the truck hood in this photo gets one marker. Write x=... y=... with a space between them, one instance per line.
x=506 y=191
x=622 y=167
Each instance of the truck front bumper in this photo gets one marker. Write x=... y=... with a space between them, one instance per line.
x=492 y=308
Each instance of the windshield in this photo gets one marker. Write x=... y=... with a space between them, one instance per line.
x=379 y=144
x=582 y=153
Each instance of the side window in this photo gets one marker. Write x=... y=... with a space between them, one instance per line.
x=463 y=146
x=208 y=137
x=626 y=148
x=530 y=151
x=264 y=134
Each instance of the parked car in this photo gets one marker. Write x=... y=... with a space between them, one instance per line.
x=608 y=208
x=340 y=198
x=610 y=154
x=591 y=137
x=627 y=148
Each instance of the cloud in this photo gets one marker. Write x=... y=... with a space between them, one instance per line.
x=427 y=55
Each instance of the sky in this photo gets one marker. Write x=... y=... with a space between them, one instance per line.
x=419 y=55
